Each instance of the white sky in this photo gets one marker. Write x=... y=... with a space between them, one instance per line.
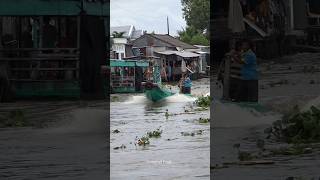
x=150 y=15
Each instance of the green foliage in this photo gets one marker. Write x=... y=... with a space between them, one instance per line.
x=204 y=120
x=203 y=101
x=297 y=127
x=197 y=13
x=193 y=36
x=200 y=39
x=155 y=134
x=144 y=140
x=14 y=118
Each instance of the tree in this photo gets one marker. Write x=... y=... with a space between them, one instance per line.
x=191 y=36
x=200 y=39
x=197 y=13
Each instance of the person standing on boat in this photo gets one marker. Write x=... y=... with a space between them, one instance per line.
x=187 y=84
x=249 y=73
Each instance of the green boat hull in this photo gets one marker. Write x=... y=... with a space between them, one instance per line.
x=156 y=94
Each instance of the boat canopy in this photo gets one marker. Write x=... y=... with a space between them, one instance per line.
x=52 y=8
x=128 y=63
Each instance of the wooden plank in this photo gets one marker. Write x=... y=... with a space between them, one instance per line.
x=255 y=27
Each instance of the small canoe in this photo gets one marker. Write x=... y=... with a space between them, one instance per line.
x=156 y=93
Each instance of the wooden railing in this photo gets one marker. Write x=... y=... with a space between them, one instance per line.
x=41 y=64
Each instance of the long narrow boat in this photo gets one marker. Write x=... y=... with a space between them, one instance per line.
x=156 y=93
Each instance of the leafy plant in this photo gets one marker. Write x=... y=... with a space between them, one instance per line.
x=204 y=120
x=297 y=127
x=155 y=134
x=204 y=101
x=144 y=140
x=14 y=118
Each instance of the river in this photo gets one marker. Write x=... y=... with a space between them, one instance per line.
x=174 y=155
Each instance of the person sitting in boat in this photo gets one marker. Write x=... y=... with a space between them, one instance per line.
x=187 y=84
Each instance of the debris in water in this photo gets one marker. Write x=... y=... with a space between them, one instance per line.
x=167 y=114
x=120 y=147
x=115 y=131
x=143 y=141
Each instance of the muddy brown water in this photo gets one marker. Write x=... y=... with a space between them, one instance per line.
x=75 y=148
x=172 y=156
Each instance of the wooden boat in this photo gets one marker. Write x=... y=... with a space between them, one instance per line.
x=155 y=92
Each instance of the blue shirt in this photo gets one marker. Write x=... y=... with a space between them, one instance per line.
x=249 y=68
x=187 y=82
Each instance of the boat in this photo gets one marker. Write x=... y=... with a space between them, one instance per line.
x=155 y=92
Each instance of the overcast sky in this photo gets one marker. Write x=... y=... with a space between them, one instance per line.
x=148 y=15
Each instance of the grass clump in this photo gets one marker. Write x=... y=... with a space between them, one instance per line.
x=203 y=101
x=297 y=127
x=143 y=141
x=14 y=118
x=155 y=134
x=204 y=120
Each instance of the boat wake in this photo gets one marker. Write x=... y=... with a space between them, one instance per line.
x=140 y=99
x=178 y=98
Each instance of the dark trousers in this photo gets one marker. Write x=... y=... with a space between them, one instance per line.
x=186 y=90
x=249 y=92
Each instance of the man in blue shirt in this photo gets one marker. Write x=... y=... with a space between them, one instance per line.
x=187 y=85
x=249 y=73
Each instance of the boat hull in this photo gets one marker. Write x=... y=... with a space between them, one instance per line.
x=156 y=94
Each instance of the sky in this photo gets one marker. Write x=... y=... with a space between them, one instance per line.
x=149 y=15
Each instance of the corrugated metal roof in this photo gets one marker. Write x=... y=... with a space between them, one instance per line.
x=183 y=54
x=173 y=41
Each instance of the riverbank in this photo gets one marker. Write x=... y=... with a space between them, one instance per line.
x=284 y=83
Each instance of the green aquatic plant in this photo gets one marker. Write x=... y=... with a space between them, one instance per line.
x=155 y=134
x=297 y=127
x=114 y=98
x=15 y=118
x=204 y=120
x=116 y=131
x=204 y=101
x=144 y=140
